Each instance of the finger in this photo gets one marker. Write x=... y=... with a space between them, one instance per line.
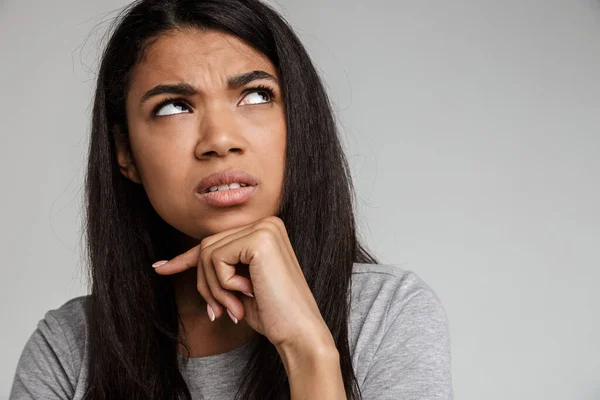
x=223 y=296
x=204 y=290
x=207 y=241
x=251 y=229
x=243 y=230
x=189 y=259
x=279 y=224
x=229 y=276
x=269 y=231
x=243 y=249
x=182 y=262
x=275 y=226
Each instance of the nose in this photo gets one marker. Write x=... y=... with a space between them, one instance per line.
x=219 y=134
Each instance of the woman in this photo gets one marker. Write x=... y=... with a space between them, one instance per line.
x=217 y=185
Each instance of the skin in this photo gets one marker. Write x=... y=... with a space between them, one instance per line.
x=222 y=130
x=214 y=130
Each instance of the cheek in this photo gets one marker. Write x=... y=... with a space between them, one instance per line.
x=272 y=158
x=163 y=174
x=271 y=148
x=158 y=151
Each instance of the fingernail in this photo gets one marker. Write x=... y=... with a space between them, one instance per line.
x=159 y=263
x=248 y=294
x=234 y=319
x=211 y=313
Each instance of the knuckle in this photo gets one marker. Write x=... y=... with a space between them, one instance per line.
x=278 y=225
x=225 y=282
x=272 y=226
x=270 y=221
x=214 y=256
x=265 y=224
x=219 y=272
x=205 y=255
x=202 y=288
x=265 y=235
x=276 y=220
x=204 y=243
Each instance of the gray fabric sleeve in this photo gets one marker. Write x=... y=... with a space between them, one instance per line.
x=45 y=368
x=413 y=360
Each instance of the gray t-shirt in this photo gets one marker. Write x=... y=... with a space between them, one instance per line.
x=398 y=334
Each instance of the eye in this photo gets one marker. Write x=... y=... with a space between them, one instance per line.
x=259 y=95
x=169 y=105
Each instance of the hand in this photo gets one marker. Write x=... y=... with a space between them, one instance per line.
x=283 y=308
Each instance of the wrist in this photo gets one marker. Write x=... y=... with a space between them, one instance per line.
x=313 y=370
x=308 y=351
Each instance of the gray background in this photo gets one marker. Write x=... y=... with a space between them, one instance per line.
x=472 y=131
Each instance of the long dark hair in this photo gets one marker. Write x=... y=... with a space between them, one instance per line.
x=133 y=319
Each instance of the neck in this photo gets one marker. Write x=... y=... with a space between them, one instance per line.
x=201 y=336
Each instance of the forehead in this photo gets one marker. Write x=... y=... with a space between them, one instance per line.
x=203 y=58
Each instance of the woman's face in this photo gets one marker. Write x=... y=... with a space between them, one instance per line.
x=219 y=127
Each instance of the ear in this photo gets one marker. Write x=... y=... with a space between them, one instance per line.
x=124 y=158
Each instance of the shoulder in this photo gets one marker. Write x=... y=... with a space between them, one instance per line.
x=73 y=309
x=399 y=334
x=393 y=288
x=70 y=317
x=386 y=292
x=407 y=299
x=66 y=326
x=71 y=312
x=50 y=365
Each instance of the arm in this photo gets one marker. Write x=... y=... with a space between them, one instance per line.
x=413 y=360
x=313 y=370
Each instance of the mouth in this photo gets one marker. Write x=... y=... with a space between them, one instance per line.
x=224 y=187
x=227 y=188
x=227 y=197
x=226 y=180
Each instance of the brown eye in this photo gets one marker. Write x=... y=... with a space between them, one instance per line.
x=258 y=95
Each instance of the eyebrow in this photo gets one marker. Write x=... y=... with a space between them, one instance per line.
x=186 y=89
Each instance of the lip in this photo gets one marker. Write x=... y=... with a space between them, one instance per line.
x=225 y=178
x=227 y=197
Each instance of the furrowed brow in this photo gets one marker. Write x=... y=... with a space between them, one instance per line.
x=186 y=89
x=182 y=89
x=240 y=80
